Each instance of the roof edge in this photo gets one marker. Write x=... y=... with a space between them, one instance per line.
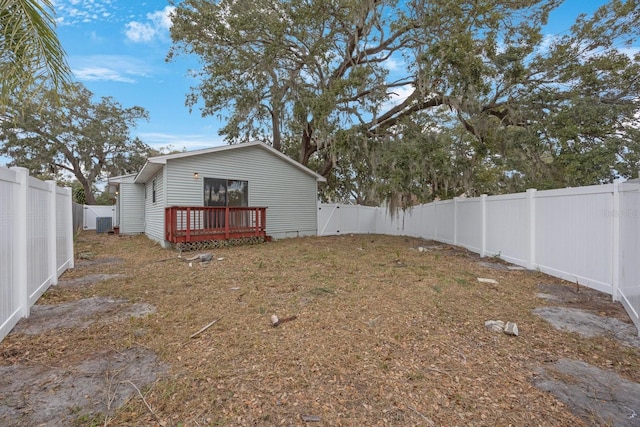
x=149 y=169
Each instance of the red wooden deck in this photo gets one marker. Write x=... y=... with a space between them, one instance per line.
x=185 y=224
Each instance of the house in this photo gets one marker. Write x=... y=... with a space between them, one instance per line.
x=241 y=190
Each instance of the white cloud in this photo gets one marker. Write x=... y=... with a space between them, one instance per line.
x=95 y=37
x=115 y=68
x=630 y=51
x=156 y=26
x=101 y=74
x=72 y=12
x=393 y=64
x=398 y=96
x=140 y=33
x=162 y=18
x=548 y=40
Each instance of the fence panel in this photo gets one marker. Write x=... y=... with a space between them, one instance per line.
x=429 y=223
x=385 y=223
x=65 y=229
x=367 y=219
x=10 y=308
x=469 y=224
x=629 y=279
x=36 y=245
x=445 y=221
x=38 y=270
x=412 y=222
x=389 y=222
x=349 y=219
x=507 y=229
x=574 y=235
x=78 y=216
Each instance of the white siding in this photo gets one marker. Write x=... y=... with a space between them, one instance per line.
x=131 y=205
x=289 y=193
x=154 y=211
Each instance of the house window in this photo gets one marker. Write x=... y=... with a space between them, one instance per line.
x=153 y=191
x=225 y=192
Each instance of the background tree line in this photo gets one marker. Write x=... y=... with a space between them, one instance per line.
x=392 y=101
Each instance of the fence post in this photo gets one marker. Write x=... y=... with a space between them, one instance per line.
x=69 y=228
x=52 y=231
x=615 y=242
x=531 y=223
x=455 y=221
x=483 y=210
x=435 y=220
x=20 y=243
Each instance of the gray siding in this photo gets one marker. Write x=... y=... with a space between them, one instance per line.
x=131 y=207
x=154 y=212
x=289 y=193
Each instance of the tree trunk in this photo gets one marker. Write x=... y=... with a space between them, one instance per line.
x=275 y=125
x=306 y=148
x=89 y=198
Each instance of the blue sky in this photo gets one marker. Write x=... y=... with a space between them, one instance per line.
x=118 y=47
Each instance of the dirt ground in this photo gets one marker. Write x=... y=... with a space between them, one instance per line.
x=382 y=331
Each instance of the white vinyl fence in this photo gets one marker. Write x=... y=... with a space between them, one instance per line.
x=589 y=235
x=36 y=244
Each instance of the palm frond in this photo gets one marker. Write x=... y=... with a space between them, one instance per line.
x=30 y=53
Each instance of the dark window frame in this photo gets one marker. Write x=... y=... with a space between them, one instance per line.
x=226 y=192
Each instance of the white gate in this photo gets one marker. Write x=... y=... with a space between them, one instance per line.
x=91 y=213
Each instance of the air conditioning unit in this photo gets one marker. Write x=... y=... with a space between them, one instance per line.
x=103 y=224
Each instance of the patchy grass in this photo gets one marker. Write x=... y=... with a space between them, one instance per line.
x=384 y=334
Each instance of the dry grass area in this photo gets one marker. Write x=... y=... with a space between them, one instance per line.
x=384 y=335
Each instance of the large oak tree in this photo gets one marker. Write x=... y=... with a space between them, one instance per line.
x=52 y=134
x=335 y=83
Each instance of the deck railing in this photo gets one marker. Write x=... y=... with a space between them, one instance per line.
x=184 y=224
